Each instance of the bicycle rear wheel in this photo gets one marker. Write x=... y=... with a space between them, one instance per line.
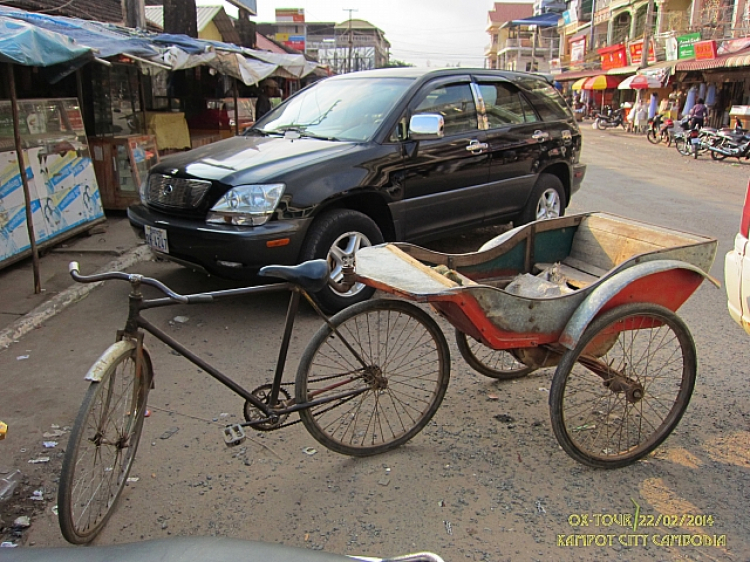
x=103 y=443
x=386 y=398
x=682 y=145
x=624 y=388
x=652 y=137
x=499 y=365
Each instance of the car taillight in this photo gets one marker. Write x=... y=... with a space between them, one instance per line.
x=745 y=223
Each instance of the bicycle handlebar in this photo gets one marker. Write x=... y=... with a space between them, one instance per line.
x=74 y=270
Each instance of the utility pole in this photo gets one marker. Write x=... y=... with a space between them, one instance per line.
x=647 y=34
x=351 y=43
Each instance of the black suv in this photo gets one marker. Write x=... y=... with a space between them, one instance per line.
x=353 y=160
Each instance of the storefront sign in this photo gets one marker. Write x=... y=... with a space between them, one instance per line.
x=569 y=17
x=577 y=48
x=296 y=42
x=636 y=51
x=613 y=57
x=705 y=50
x=685 y=45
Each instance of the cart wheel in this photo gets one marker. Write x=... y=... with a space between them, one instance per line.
x=612 y=407
x=499 y=365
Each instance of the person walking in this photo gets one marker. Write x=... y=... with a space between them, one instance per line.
x=263 y=103
x=698 y=114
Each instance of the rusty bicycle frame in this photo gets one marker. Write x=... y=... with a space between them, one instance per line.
x=274 y=410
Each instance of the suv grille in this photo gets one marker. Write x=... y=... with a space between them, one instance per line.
x=179 y=193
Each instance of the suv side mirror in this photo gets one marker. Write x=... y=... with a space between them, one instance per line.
x=426 y=126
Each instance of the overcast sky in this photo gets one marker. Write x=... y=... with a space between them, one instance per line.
x=432 y=33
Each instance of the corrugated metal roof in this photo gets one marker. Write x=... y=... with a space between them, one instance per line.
x=204 y=15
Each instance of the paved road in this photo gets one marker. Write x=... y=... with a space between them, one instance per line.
x=472 y=485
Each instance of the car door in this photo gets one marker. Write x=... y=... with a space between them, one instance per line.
x=443 y=177
x=516 y=136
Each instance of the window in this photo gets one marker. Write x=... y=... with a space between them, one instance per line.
x=455 y=103
x=548 y=101
x=504 y=106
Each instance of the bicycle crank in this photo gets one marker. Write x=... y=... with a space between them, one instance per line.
x=259 y=420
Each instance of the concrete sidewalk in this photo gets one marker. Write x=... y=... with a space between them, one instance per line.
x=110 y=246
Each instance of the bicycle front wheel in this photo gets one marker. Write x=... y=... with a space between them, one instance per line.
x=499 y=365
x=377 y=379
x=623 y=389
x=103 y=443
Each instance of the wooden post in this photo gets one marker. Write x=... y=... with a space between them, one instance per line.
x=236 y=108
x=24 y=179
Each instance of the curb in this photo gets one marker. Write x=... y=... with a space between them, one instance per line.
x=69 y=296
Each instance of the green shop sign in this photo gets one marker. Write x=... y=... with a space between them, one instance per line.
x=685 y=45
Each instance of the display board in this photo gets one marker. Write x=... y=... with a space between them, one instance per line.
x=62 y=183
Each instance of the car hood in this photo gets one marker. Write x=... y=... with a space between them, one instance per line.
x=249 y=159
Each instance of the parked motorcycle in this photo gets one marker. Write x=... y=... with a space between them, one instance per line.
x=609 y=120
x=660 y=130
x=731 y=145
x=692 y=140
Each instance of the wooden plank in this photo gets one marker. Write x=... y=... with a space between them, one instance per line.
x=411 y=262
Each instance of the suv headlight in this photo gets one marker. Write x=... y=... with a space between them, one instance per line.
x=246 y=205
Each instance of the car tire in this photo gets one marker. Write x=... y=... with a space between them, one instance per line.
x=334 y=235
x=547 y=200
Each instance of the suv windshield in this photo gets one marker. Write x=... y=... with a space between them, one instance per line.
x=350 y=109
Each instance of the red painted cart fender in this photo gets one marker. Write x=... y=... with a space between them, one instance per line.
x=668 y=283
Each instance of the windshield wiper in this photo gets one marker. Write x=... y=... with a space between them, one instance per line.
x=302 y=132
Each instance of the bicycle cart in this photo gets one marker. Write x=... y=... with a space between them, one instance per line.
x=594 y=295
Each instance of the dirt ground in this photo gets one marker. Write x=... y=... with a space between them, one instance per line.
x=484 y=481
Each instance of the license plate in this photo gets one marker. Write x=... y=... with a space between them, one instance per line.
x=695 y=141
x=157 y=238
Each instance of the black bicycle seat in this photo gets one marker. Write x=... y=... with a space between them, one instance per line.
x=311 y=275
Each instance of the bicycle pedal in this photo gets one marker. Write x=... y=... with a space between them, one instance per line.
x=234 y=435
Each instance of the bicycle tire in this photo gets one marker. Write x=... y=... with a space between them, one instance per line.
x=652 y=137
x=500 y=365
x=82 y=513
x=599 y=424
x=403 y=384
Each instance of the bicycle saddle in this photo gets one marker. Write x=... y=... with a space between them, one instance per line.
x=311 y=275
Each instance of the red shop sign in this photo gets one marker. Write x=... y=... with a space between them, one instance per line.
x=705 y=50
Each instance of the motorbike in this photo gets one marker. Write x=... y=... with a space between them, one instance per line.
x=692 y=139
x=660 y=130
x=609 y=120
x=733 y=143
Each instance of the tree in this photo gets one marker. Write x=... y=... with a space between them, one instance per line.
x=398 y=64
x=180 y=17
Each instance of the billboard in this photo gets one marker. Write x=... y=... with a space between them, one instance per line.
x=296 y=15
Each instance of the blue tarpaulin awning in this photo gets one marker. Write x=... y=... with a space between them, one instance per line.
x=542 y=20
x=26 y=44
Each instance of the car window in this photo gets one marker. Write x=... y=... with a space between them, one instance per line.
x=505 y=106
x=455 y=103
x=547 y=101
